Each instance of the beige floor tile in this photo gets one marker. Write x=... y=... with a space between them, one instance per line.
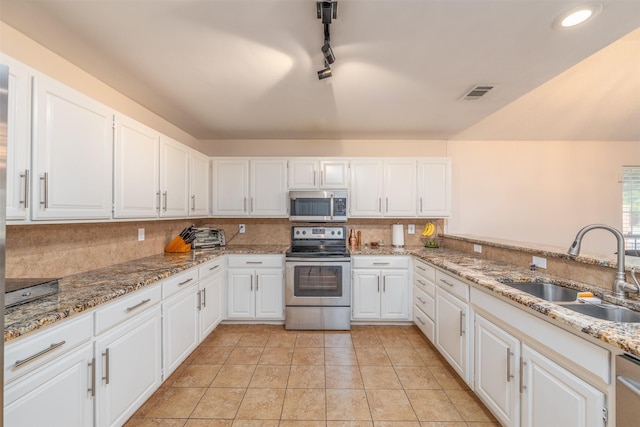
x=208 y=423
x=225 y=339
x=337 y=339
x=302 y=423
x=176 y=402
x=360 y=423
x=343 y=377
x=310 y=339
x=253 y=339
x=395 y=341
x=469 y=406
x=448 y=378
x=308 y=356
x=416 y=378
x=404 y=356
x=234 y=376
x=430 y=356
x=372 y=356
x=208 y=355
x=347 y=405
x=287 y=339
x=262 y=404
x=366 y=341
x=174 y=375
x=390 y=405
x=197 y=376
x=222 y=403
x=433 y=405
x=445 y=424
x=363 y=330
x=270 y=376
x=276 y=356
x=255 y=423
x=380 y=377
x=244 y=356
x=340 y=357
x=302 y=376
x=304 y=404
x=396 y=424
x=155 y=422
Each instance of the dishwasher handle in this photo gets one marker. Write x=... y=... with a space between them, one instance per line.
x=633 y=386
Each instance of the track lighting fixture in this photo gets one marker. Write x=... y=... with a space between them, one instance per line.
x=326 y=11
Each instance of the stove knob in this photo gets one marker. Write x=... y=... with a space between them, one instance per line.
x=333 y=233
x=304 y=232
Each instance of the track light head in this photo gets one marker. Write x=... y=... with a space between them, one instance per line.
x=323 y=74
x=326 y=10
x=328 y=53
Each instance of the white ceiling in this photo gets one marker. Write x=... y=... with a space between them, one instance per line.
x=246 y=69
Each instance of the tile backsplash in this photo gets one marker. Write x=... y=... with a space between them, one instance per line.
x=57 y=250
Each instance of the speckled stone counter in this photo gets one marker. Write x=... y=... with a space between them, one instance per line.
x=488 y=274
x=84 y=291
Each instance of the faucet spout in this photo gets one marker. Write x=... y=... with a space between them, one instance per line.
x=620 y=286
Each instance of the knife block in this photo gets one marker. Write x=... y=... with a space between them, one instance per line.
x=177 y=245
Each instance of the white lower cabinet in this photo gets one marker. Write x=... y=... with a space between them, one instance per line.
x=256 y=287
x=129 y=367
x=381 y=288
x=424 y=303
x=211 y=297
x=179 y=327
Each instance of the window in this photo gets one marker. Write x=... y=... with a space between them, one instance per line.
x=631 y=206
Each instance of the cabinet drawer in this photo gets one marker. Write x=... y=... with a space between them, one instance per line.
x=210 y=267
x=180 y=281
x=423 y=322
x=380 y=261
x=256 y=261
x=425 y=302
x=424 y=285
x=42 y=347
x=125 y=308
x=423 y=269
x=452 y=285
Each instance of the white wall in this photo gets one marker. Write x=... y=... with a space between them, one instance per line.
x=539 y=191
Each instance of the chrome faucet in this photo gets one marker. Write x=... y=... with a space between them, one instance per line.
x=620 y=285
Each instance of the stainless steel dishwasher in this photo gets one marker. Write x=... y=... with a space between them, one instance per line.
x=627 y=391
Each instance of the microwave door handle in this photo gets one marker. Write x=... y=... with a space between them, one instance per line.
x=332 y=202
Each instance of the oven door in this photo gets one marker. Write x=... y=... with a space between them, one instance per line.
x=317 y=282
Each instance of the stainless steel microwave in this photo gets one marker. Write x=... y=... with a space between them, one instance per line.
x=318 y=206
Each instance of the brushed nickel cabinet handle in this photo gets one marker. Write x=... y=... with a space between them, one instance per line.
x=420 y=319
x=462 y=323
x=257 y=283
x=420 y=204
x=446 y=283
x=384 y=283
x=509 y=354
x=244 y=204
x=25 y=175
x=421 y=300
x=164 y=197
x=92 y=387
x=45 y=201
x=199 y=300
x=106 y=366
x=378 y=284
x=158 y=197
x=381 y=263
x=133 y=307
x=38 y=354
x=204 y=297
x=387 y=204
x=185 y=282
x=214 y=267
x=253 y=262
x=193 y=202
x=419 y=267
x=522 y=365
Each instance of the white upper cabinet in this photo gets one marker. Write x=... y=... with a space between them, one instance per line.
x=174 y=178
x=383 y=188
x=200 y=185
x=434 y=187
x=18 y=139
x=72 y=154
x=313 y=174
x=249 y=187
x=136 y=171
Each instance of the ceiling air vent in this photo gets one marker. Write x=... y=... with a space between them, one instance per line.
x=477 y=92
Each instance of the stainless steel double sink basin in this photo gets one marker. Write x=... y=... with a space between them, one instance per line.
x=567 y=297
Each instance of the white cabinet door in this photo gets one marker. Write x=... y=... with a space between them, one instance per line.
x=334 y=174
x=303 y=174
x=130 y=365
x=58 y=395
x=496 y=371
x=241 y=293
x=400 y=188
x=18 y=139
x=365 y=198
x=174 y=178
x=268 y=189
x=434 y=187
x=179 y=328
x=136 y=170
x=366 y=294
x=552 y=396
x=230 y=187
x=72 y=153
x=394 y=303
x=199 y=185
x=451 y=331
x=269 y=293
x=211 y=300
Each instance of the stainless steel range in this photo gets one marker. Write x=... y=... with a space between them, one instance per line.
x=318 y=279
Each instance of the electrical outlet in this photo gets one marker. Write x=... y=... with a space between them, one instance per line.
x=140 y=234
x=477 y=248
x=539 y=262
x=411 y=229
x=241 y=228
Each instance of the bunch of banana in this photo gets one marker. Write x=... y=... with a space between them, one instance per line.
x=429 y=229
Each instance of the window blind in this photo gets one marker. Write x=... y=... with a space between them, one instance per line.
x=631 y=206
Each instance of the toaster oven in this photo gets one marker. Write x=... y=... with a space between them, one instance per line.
x=208 y=237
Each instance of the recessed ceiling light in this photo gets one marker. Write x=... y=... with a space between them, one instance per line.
x=576 y=16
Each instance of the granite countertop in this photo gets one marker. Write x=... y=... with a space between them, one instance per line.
x=84 y=291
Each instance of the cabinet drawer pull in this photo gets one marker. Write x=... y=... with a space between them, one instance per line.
x=420 y=319
x=421 y=300
x=45 y=179
x=38 y=354
x=106 y=366
x=133 y=307
x=214 y=267
x=92 y=387
x=253 y=262
x=204 y=297
x=419 y=267
x=447 y=283
x=185 y=282
x=25 y=175
x=381 y=263
x=522 y=365
x=509 y=354
x=421 y=282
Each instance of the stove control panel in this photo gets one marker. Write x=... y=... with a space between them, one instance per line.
x=337 y=233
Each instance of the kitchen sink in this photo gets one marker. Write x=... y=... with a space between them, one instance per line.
x=610 y=312
x=546 y=291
